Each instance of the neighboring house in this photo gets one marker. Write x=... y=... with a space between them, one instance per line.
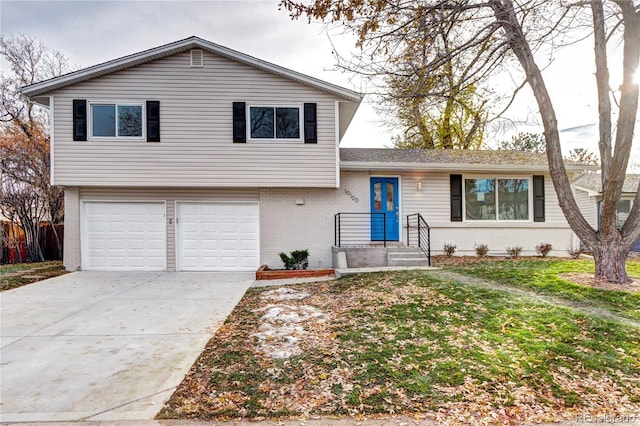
x=588 y=192
x=193 y=157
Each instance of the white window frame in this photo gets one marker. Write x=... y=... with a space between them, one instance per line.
x=496 y=178
x=90 y=106
x=622 y=198
x=275 y=139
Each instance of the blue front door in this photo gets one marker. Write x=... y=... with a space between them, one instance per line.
x=384 y=199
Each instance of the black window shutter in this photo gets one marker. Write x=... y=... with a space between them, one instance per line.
x=153 y=121
x=310 y=123
x=538 y=199
x=239 y=122
x=456 y=198
x=79 y=120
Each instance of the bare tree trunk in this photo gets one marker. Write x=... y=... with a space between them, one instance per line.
x=608 y=245
x=610 y=257
x=32 y=234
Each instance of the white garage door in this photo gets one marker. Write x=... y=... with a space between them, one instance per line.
x=217 y=236
x=123 y=236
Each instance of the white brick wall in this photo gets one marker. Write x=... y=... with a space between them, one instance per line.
x=71 y=229
x=285 y=226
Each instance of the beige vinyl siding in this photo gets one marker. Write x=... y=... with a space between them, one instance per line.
x=588 y=207
x=196 y=148
x=433 y=202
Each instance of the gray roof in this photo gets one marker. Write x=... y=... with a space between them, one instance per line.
x=593 y=182
x=442 y=156
x=450 y=160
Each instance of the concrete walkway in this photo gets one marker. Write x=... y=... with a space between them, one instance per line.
x=106 y=346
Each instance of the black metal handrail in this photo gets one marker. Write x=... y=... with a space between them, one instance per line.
x=354 y=229
x=422 y=233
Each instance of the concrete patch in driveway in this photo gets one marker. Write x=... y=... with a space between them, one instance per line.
x=107 y=346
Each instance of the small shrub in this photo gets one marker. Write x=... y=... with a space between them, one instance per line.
x=299 y=259
x=449 y=249
x=514 y=251
x=543 y=249
x=575 y=253
x=482 y=250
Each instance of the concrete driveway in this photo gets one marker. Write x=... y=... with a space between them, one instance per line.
x=106 y=346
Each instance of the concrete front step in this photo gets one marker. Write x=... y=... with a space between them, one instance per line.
x=407 y=256
x=409 y=262
x=374 y=257
x=404 y=249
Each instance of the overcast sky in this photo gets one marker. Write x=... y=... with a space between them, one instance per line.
x=90 y=32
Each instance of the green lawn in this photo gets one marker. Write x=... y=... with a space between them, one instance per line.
x=542 y=275
x=28 y=273
x=412 y=343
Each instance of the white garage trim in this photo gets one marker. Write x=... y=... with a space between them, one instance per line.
x=242 y=252
x=97 y=245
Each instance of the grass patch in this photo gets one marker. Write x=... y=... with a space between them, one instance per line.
x=543 y=276
x=407 y=343
x=17 y=275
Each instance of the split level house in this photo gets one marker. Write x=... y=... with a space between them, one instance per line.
x=195 y=157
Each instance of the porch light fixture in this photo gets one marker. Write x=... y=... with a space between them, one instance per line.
x=419 y=185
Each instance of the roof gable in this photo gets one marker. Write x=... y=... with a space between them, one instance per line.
x=44 y=87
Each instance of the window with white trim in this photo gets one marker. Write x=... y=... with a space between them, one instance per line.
x=622 y=212
x=275 y=123
x=116 y=120
x=500 y=199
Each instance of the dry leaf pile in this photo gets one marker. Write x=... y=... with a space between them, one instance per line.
x=408 y=344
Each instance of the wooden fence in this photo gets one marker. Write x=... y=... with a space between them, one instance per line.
x=13 y=247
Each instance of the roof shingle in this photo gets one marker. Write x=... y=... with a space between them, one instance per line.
x=593 y=182
x=443 y=156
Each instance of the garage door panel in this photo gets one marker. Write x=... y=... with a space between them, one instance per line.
x=124 y=236
x=214 y=236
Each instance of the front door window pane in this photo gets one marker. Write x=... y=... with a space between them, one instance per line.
x=129 y=120
x=377 y=196
x=287 y=123
x=103 y=120
x=480 y=199
x=390 y=197
x=513 y=199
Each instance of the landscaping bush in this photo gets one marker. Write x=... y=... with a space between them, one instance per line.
x=514 y=251
x=575 y=253
x=299 y=259
x=482 y=250
x=449 y=249
x=543 y=249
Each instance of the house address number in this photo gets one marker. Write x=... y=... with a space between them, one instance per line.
x=353 y=197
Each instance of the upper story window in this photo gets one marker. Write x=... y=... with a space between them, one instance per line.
x=497 y=199
x=110 y=120
x=275 y=123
